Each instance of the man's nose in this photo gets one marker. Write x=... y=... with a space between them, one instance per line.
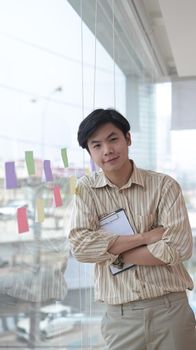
x=107 y=149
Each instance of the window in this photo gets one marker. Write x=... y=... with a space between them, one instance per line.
x=175 y=149
x=53 y=72
x=47 y=84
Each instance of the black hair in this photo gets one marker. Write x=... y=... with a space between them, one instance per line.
x=97 y=118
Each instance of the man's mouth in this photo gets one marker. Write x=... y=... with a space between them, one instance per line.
x=111 y=160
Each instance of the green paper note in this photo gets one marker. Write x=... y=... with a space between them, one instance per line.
x=64 y=157
x=30 y=162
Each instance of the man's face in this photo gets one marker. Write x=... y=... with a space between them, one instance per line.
x=108 y=148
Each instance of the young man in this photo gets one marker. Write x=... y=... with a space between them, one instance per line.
x=147 y=306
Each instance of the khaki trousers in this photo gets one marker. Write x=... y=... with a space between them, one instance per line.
x=163 y=323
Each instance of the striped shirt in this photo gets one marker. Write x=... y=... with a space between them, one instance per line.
x=149 y=199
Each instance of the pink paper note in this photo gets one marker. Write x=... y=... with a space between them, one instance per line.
x=23 y=225
x=57 y=196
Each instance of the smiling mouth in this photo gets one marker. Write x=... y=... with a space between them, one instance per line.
x=111 y=160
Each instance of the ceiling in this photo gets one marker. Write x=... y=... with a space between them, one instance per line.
x=174 y=26
x=155 y=37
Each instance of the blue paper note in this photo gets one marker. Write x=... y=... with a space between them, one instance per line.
x=10 y=175
x=47 y=170
x=92 y=164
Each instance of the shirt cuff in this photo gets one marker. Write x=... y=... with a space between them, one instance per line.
x=163 y=252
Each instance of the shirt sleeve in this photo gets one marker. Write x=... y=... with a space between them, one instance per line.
x=88 y=243
x=176 y=243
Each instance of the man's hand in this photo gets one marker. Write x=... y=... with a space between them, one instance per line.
x=140 y=256
x=124 y=243
x=153 y=235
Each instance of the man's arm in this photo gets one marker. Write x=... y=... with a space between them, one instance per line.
x=125 y=243
x=176 y=243
x=88 y=243
x=141 y=256
x=91 y=244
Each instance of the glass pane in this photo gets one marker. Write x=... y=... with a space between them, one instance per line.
x=175 y=156
x=47 y=85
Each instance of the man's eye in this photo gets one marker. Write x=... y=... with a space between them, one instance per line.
x=96 y=146
x=113 y=139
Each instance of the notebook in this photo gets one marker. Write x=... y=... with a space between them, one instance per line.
x=117 y=222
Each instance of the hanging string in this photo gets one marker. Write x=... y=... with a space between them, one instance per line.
x=113 y=45
x=82 y=86
x=82 y=67
x=82 y=55
x=92 y=164
x=95 y=55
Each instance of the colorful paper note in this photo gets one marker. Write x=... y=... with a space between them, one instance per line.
x=10 y=175
x=73 y=181
x=47 y=170
x=64 y=157
x=22 y=220
x=93 y=168
x=87 y=171
x=30 y=162
x=57 y=196
x=40 y=210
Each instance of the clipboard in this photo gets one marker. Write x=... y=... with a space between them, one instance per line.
x=117 y=222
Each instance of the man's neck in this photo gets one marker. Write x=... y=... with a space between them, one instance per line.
x=121 y=177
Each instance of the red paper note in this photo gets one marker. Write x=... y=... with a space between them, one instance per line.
x=23 y=225
x=57 y=196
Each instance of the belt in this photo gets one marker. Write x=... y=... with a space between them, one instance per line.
x=146 y=303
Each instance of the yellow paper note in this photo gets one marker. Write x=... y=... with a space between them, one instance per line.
x=73 y=181
x=87 y=171
x=40 y=210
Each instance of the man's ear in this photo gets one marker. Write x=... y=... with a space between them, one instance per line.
x=128 y=138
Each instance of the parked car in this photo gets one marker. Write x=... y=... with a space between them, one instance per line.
x=55 y=319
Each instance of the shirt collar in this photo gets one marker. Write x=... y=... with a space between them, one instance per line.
x=136 y=178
